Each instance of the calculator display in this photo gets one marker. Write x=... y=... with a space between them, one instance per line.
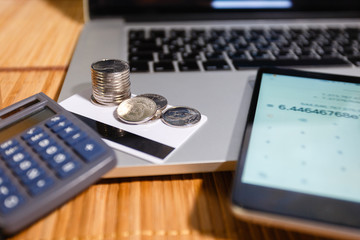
x=24 y=123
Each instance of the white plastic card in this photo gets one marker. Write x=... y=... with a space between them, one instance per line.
x=155 y=130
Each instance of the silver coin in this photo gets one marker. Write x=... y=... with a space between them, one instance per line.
x=161 y=102
x=93 y=101
x=181 y=116
x=136 y=110
x=110 y=66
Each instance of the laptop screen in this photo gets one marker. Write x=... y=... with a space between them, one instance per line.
x=145 y=8
x=250 y=4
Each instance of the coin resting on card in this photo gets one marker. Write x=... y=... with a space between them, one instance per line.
x=161 y=102
x=136 y=110
x=181 y=116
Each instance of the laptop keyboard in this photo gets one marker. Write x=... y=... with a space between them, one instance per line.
x=170 y=50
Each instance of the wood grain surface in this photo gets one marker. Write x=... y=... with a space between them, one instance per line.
x=37 y=39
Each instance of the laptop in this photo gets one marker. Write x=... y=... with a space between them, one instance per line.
x=205 y=54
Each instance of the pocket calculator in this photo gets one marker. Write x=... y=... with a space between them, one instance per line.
x=47 y=157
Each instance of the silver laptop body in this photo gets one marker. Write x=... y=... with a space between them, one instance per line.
x=222 y=95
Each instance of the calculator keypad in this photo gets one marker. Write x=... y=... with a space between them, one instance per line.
x=60 y=161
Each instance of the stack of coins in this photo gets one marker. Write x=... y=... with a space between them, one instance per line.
x=110 y=82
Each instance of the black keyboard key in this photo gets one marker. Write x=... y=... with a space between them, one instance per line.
x=347 y=51
x=188 y=66
x=136 y=34
x=139 y=42
x=213 y=65
x=141 y=57
x=145 y=48
x=176 y=33
x=190 y=56
x=284 y=45
x=260 y=55
x=241 y=46
x=167 y=56
x=284 y=55
x=241 y=64
x=170 y=41
x=197 y=32
x=355 y=60
x=217 y=32
x=214 y=56
x=165 y=66
x=241 y=55
x=197 y=47
x=308 y=54
x=220 y=47
x=155 y=33
x=176 y=48
x=140 y=66
x=237 y=32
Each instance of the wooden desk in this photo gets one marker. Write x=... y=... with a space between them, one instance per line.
x=37 y=40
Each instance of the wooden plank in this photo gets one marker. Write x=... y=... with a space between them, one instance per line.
x=38 y=32
x=18 y=85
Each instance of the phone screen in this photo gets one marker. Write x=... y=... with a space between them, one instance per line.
x=305 y=137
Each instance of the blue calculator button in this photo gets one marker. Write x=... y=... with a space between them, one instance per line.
x=3 y=179
x=11 y=151
x=59 y=159
x=8 y=144
x=37 y=137
x=5 y=190
x=31 y=175
x=10 y=202
x=16 y=158
x=68 y=131
x=75 y=138
x=89 y=149
x=23 y=166
x=68 y=169
x=43 y=143
x=50 y=151
x=52 y=121
x=40 y=185
x=31 y=132
x=60 y=125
